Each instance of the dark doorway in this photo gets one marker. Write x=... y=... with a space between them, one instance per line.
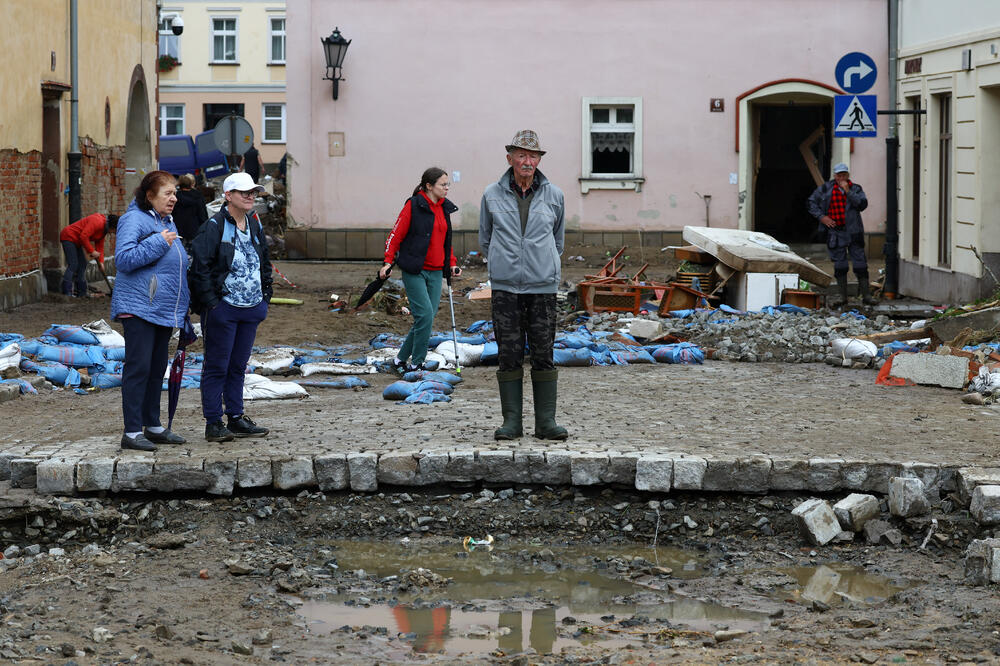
x=51 y=174
x=216 y=112
x=790 y=139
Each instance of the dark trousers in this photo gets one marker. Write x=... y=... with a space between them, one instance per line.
x=842 y=245
x=146 y=351
x=524 y=318
x=229 y=333
x=76 y=269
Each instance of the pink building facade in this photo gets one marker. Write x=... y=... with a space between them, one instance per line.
x=655 y=115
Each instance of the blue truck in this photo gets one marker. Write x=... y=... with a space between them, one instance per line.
x=180 y=154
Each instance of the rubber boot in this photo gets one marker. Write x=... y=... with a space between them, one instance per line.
x=841 y=298
x=544 y=390
x=864 y=288
x=511 y=397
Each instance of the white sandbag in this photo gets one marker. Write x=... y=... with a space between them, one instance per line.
x=106 y=336
x=10 y=356
x=852 y=348
x=279 y=358
x=379 y=355
x=469 y=355
x=337 y=369
x=258 y=387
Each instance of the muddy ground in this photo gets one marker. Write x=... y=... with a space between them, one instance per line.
x=307 y=578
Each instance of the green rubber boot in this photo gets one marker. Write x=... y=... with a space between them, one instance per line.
x=544 y=391
x=511 y=396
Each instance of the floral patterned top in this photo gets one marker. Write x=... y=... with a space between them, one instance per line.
x=243 y=281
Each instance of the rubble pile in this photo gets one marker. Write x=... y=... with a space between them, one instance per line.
x=771 y=335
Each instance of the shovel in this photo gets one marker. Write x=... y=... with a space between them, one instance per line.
x=104 y=274
x=454 y=331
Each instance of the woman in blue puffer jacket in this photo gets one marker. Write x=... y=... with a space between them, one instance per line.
x=150 y=299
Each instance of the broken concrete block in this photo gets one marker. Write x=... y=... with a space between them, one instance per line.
x=742 y=475
x=654 y=473
x=553 y=468
x=293 y=473
x=224 y=473
x=982 y=562
x=130 y=472
x=938 y=480
x=431 y=467
x=970 y=477
x=947 y=328
x=55 y=477
x=689 y=473
x=789 y=474
x=586 y=469
x=817 y=521
x=869 y=476
x=362 y=468
x=824 y=474
x=398 y=468
x=932 y=369
x=22 y=472
x=906 y=497
x=621 y=468
x=985 y=506
x=253 y=472
x=646 y=329
x=465 y=466
x=879 y=531
x=331 y=472
x=855 y=510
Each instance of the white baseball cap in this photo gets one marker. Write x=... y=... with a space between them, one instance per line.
x=240 y=181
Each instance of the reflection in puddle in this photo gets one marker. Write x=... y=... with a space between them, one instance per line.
x=834 y=584
x=512 y=599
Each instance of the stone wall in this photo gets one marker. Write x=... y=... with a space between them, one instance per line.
x=103 y=188
x=20 y=215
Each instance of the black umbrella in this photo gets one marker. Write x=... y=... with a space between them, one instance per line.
x=373 y=288
x=187 y=336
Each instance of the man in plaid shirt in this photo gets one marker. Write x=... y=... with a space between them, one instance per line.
x=837 y=204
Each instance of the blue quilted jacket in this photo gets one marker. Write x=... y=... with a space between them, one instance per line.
x=152 y=275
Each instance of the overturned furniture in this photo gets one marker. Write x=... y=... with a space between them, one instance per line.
x=607 y=292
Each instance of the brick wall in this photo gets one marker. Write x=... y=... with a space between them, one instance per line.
x=20 y=215
x=103 y=171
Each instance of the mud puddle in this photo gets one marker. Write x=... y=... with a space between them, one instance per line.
x=838 y=585
x=515 y=598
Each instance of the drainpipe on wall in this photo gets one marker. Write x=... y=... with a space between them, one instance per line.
x=890 y=288
x=74 y=156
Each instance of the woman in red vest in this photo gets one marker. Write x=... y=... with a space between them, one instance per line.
x=82 y=241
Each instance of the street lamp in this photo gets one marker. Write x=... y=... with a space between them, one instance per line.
x=335 y=48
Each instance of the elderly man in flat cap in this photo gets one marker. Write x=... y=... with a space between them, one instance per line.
x=837 y=205
x=521 y=233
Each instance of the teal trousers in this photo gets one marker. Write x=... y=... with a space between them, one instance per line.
x=423 y=290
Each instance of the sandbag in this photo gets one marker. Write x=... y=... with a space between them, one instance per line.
x=23 y=384
x=345 y=382
x=57 y=373
x=401 y=389
x=438 y=376
x=114 y=353
x=337 y=369
x=425 y=398
x=490 y=355
x=572 y=357
x=10 y=356
x=684 y=353
x=468 y=354
x=106 y=336
x=854 y=349
x=77 y=356
x=634 y=356
x=278 y=358
x=258 y=387
x=105 y=379
x=71 y=333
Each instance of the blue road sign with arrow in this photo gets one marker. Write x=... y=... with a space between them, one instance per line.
x=856 y=73
x=854 y=115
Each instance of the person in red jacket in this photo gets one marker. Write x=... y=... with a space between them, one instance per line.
x=82 y=241
x=420 y=244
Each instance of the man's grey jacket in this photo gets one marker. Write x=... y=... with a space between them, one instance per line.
x=525 y=263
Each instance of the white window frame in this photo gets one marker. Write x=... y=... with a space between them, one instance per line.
x=213 y=33
x=271 y=34
x=163 y=118
x=626 y=181
x=264 y=119
x=168 y=33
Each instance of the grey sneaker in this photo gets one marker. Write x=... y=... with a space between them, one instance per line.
x=242 y=426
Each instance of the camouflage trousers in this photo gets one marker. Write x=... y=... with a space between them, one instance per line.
x=520 y=320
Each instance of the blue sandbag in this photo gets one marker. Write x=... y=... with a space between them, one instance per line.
x=440 y=376
x=634 y=355
x=572 y=357
x=438 y=338
x=898 y=346
x=344 y=382
x=6 y=338
x=77 y=356
x=400 y=390
x=23 y=384
x=57 y=373
x=681 y=352
x=71 y=333
x=490 y=355
x=114 y=353
x=105 y=380
x=483 y=325
x=425 y=398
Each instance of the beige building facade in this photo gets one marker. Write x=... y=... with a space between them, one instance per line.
x=949 y=204
x=116 y=64
x=230 y=60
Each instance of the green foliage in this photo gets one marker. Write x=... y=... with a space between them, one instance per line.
x=166 y=62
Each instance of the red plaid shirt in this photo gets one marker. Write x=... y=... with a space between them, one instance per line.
x=837 y=210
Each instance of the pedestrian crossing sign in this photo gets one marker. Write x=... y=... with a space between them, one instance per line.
x=854 y=115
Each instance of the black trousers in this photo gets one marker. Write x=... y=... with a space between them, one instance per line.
x=521 y=320
x=146 y=351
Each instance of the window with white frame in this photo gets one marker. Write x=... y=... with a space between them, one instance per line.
x=277 y=47
x=223 y=40
x=171 y=119
x=274 y=123
x=612 y=143
x=170 y=44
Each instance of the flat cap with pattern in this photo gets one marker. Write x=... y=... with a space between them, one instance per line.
x=527 y=140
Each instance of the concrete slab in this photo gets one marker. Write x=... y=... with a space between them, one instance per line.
x=931 y=369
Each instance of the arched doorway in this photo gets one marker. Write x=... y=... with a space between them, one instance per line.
x=785 y=143
x=138 y=143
